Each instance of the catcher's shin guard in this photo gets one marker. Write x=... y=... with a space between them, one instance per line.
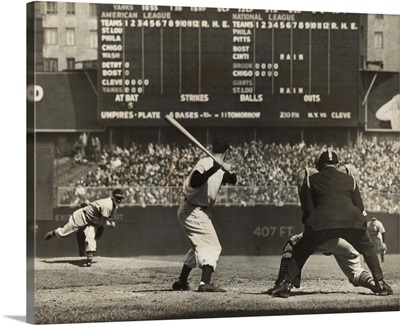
x=286 y=256
x=283 y=268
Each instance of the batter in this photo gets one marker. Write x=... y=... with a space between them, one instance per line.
x=201 y=190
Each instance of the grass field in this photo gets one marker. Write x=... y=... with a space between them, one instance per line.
x=139 y=288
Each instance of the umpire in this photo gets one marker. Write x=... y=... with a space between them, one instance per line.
x=336 y=210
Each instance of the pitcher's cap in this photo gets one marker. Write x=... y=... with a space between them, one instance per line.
x=118 y=193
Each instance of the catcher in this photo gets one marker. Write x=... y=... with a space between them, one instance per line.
x=332 y=208
x=346 y=256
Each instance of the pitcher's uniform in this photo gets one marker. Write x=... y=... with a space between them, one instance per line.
x=91 y=217
x=195 y=217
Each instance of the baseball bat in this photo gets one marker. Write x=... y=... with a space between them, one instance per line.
x=176 y=124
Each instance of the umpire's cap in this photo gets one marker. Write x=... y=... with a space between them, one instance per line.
x=118 y=193
x=326 y=157
x=220 y=145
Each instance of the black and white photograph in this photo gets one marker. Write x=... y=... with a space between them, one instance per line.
x=216 y=161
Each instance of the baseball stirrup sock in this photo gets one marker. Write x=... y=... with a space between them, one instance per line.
x=206 y=274
x=365 y=280
x=185 y=273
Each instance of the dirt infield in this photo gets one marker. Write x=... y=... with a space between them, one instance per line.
x=128 y=289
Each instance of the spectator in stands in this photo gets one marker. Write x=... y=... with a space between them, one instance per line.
x=96 y=149
x=79 y=194
x=83 y=141
x=257 y=164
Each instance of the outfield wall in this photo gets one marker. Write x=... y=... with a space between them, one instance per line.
x=259 y=230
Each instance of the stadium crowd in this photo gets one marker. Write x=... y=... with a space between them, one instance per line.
x=267 y=172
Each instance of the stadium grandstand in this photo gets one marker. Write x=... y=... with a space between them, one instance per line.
x=152 y=174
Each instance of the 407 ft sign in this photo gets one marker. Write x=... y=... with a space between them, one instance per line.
x=271 y=231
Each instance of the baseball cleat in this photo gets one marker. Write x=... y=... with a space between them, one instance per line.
x=209 y=287
x=270 y=290
x=177 y=286
x=384 y=289
x=49 y=235
x=283 y=290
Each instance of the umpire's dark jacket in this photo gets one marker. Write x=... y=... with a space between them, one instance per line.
x=333 y=201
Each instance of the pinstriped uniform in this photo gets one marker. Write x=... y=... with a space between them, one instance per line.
x=195 y=217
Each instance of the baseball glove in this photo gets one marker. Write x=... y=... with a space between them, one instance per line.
x=99 y=232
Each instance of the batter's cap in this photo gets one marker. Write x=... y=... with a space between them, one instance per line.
x=326 y=157
x=220 y=145
x=118 y=193
x=373 y=218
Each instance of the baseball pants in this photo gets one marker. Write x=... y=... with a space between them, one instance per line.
x=378 y=244
x=312 y=240
x=346 y=257
x=73 y=225
x=197 y=225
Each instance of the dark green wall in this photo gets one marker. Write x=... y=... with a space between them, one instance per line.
x=155 y=231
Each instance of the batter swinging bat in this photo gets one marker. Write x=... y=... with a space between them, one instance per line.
x=176 y=124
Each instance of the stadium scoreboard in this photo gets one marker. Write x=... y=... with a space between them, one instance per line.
x=222 y=66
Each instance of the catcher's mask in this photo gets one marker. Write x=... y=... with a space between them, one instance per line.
x=327 y=157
